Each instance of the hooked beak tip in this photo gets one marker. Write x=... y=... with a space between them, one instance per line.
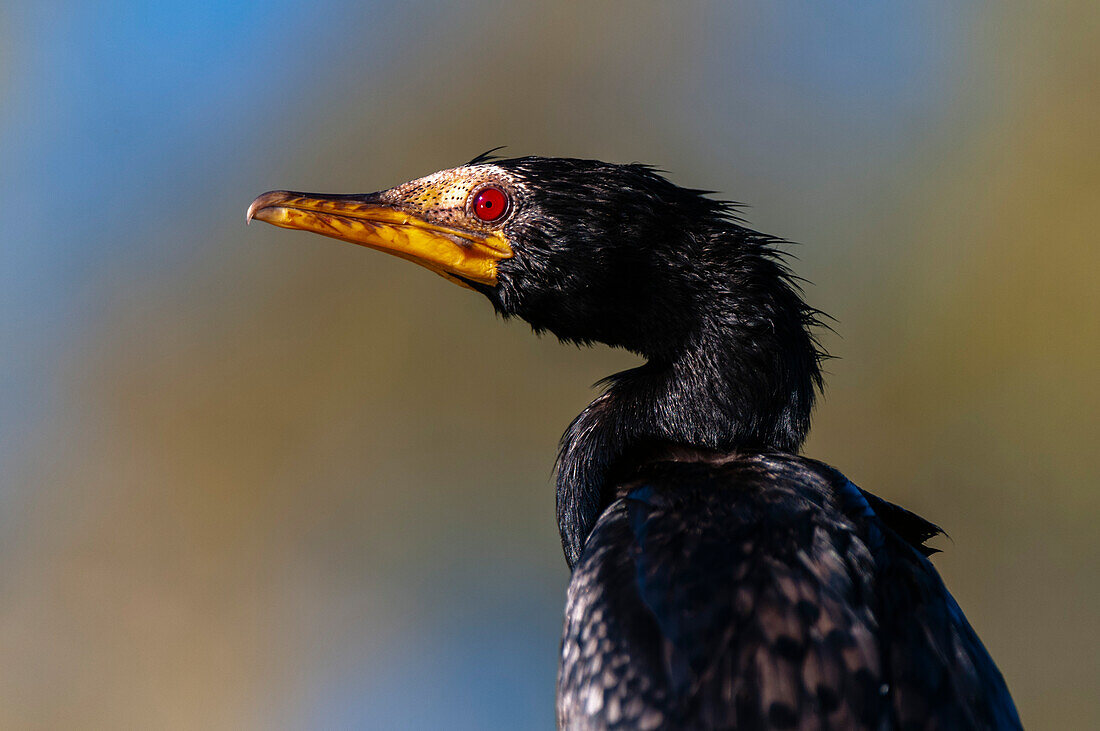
x=267 y=200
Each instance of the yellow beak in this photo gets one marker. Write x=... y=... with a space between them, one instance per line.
x=458 y=255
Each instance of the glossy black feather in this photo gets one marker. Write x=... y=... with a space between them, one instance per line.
x=486 y=156
x=765 y=591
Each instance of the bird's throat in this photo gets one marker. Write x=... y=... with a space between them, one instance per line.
x=733 y=388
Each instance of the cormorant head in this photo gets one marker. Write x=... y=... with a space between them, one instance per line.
x=587 y=250
x=593 y=251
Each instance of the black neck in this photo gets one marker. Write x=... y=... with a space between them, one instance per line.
x=744 y=379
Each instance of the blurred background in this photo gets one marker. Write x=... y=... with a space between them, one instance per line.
x=243 y=482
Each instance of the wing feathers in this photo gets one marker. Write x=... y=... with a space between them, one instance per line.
x=750 y=595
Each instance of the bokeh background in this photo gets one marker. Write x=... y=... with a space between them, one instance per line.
x=252 y=478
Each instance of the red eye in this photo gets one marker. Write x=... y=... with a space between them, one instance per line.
x=490 y=204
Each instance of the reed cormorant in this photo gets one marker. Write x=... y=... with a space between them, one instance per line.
x=719 y=579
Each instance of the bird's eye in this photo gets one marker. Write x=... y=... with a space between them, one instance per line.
x=490 y=204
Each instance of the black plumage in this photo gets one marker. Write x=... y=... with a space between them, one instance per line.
x=765 y=590
x=719 y=579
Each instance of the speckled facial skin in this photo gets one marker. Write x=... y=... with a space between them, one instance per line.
x=429 y=221
x=446 y=197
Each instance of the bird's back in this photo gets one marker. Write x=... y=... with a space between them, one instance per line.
x=766 y=591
